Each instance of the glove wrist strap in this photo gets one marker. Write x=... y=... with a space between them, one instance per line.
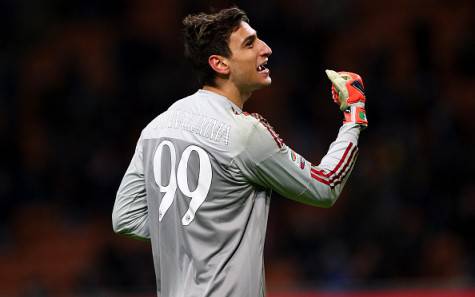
x=355 y=114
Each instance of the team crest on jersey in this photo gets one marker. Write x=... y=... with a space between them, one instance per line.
x=293 y=155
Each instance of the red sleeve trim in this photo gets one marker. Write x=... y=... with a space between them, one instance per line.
x=265 y=123
x=333 y=178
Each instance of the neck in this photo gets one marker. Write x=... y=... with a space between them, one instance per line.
x=231 y=92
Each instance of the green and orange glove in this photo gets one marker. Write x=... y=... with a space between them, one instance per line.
x=348 y=93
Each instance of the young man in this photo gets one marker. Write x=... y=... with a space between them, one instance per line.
x=199 y=183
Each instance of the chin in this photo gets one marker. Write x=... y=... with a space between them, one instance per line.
x=266 y=82
x=262 y=83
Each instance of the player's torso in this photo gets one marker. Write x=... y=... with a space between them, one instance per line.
x=207 y=222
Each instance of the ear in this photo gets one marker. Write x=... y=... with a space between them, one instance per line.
x=218 y=64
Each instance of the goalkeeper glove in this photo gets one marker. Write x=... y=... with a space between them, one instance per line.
x=348 y=93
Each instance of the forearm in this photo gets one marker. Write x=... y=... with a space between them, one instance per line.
x=130 y=213
x=330 y=176
x=130 y=216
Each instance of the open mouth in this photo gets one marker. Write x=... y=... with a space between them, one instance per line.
x=262 y=67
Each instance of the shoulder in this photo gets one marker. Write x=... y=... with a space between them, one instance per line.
x=255 y=127
x=165 y=118
x=257 y=138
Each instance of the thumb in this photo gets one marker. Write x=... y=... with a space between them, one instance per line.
x=339 y=82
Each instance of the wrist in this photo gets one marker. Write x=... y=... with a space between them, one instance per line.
x=356 y=114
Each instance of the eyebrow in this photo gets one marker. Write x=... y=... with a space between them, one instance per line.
x=249 y=38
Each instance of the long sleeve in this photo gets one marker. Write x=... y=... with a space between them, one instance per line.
x=268 y=162
x=130 y=214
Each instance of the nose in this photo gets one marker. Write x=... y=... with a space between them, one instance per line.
x=266 y=50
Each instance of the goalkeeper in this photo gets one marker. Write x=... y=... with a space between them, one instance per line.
x=199 y=183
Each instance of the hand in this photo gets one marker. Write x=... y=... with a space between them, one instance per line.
x=348 y=93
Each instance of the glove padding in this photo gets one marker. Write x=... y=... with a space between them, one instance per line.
x=348 y=93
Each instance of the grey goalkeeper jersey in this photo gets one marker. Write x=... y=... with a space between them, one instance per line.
x=199 y=186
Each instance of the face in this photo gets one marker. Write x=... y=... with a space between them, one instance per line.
x=247 y=64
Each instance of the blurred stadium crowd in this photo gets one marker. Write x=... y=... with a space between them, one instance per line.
x=80 y=79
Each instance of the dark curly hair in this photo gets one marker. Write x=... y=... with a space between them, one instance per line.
x=208 y=34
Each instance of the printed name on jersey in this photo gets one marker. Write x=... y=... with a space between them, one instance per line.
x=336 y=176
x=265 y=123
x=198 y=124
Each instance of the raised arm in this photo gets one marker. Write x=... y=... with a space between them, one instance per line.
x=267 y=161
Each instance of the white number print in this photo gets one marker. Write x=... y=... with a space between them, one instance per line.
x=180 y=179
x=204 y=181
x=169 y=190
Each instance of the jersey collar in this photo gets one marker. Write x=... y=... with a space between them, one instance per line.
x=224 y=101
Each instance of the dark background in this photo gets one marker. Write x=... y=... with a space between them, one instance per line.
x=79 y=80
